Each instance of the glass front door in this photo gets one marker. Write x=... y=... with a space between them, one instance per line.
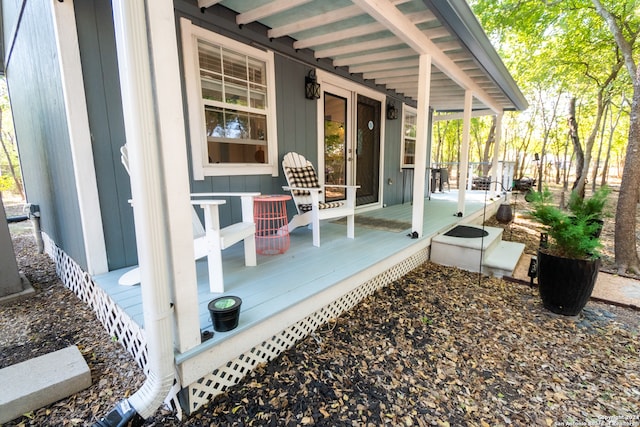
x=352 y=152
x=335 y=144
x=368 y=150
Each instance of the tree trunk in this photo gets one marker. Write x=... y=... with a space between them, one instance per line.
x=607 y=158
x=486 y=164
x=565 y=165
x=594 y=176
x=548 y=124
x=577 y=147
x=625 y=225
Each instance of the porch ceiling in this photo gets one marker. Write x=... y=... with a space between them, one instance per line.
x=382 y=40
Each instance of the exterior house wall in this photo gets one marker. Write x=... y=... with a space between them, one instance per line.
x=40 y=123
x=35 y=84
x=104 y=105
x=392 y=193
x=296 y=115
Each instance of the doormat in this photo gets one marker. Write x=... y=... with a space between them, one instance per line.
x=467 y=232
x=377 y=223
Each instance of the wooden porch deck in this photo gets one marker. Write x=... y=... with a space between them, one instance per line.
x=281 y=281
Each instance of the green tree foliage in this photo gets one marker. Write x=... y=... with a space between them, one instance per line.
x=10 y=175
x=580 y=48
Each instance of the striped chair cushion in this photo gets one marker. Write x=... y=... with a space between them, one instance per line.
x=303 y=177
x=321 y=205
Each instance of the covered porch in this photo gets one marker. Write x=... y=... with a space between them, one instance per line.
x=286 y=297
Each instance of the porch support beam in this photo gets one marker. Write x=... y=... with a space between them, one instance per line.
x=173 y=146
x=459 y=116
x=315 y=21
x=464 y=151
x=495 y=176
x=391 y=18
x=267 y=10
x=207 y=3
x=422 y=134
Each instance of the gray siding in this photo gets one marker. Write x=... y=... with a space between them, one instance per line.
x=297 y=120
x=392 y=194
x=297 y=127
x=102 y=87
x=296 y=116
x=41 y=128
x=35 y=85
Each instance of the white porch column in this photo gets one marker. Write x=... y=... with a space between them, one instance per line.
x=424 y=89
x=495 y=173
x=173 y=145
x=64 y=24
x=464 y=150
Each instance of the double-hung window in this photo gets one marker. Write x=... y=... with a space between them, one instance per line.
x=409 y=127
x=231 y=99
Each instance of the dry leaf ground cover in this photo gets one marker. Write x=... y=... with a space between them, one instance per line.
x=445 y=347
x=440 y=346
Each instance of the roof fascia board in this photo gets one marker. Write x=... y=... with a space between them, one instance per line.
x=394 y=20
x=463 y=22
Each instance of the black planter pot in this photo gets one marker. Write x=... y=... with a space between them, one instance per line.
x=565 y=283
x=224 y=312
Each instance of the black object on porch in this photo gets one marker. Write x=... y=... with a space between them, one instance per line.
x=466 y=232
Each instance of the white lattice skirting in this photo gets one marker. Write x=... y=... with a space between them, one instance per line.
x=117 y=323
x=191 y=398
x=204 y=390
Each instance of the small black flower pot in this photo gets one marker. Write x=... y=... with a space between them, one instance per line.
x=225 y=312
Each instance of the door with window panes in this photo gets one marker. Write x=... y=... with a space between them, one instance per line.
x=351 y=144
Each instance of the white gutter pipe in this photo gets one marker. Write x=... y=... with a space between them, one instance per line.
x=150 y=212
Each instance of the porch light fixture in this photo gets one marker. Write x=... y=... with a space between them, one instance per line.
x=392 y=113
x=311 y=86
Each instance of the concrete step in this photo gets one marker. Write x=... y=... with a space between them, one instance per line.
x=502 y=259
x=499 y=258
x=462 y=252
x=37 y=382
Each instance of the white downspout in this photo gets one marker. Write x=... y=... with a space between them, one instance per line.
x=150 y=213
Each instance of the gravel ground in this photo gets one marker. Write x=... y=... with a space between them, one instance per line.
x=438 y=347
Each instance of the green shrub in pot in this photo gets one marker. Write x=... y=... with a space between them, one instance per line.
x=568 y=266
x=573 y=233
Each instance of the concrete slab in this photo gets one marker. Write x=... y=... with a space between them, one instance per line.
x=503 y=259
x=37 y=382
x=463 y=252
x=27 y=291
x=498 y=257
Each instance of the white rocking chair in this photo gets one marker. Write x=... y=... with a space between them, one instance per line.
x=210 y=240
x=308 y=196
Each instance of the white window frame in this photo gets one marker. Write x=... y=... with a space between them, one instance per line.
x=406 y=110
x=201 y=167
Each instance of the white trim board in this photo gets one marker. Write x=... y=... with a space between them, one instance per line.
x=64 y=21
